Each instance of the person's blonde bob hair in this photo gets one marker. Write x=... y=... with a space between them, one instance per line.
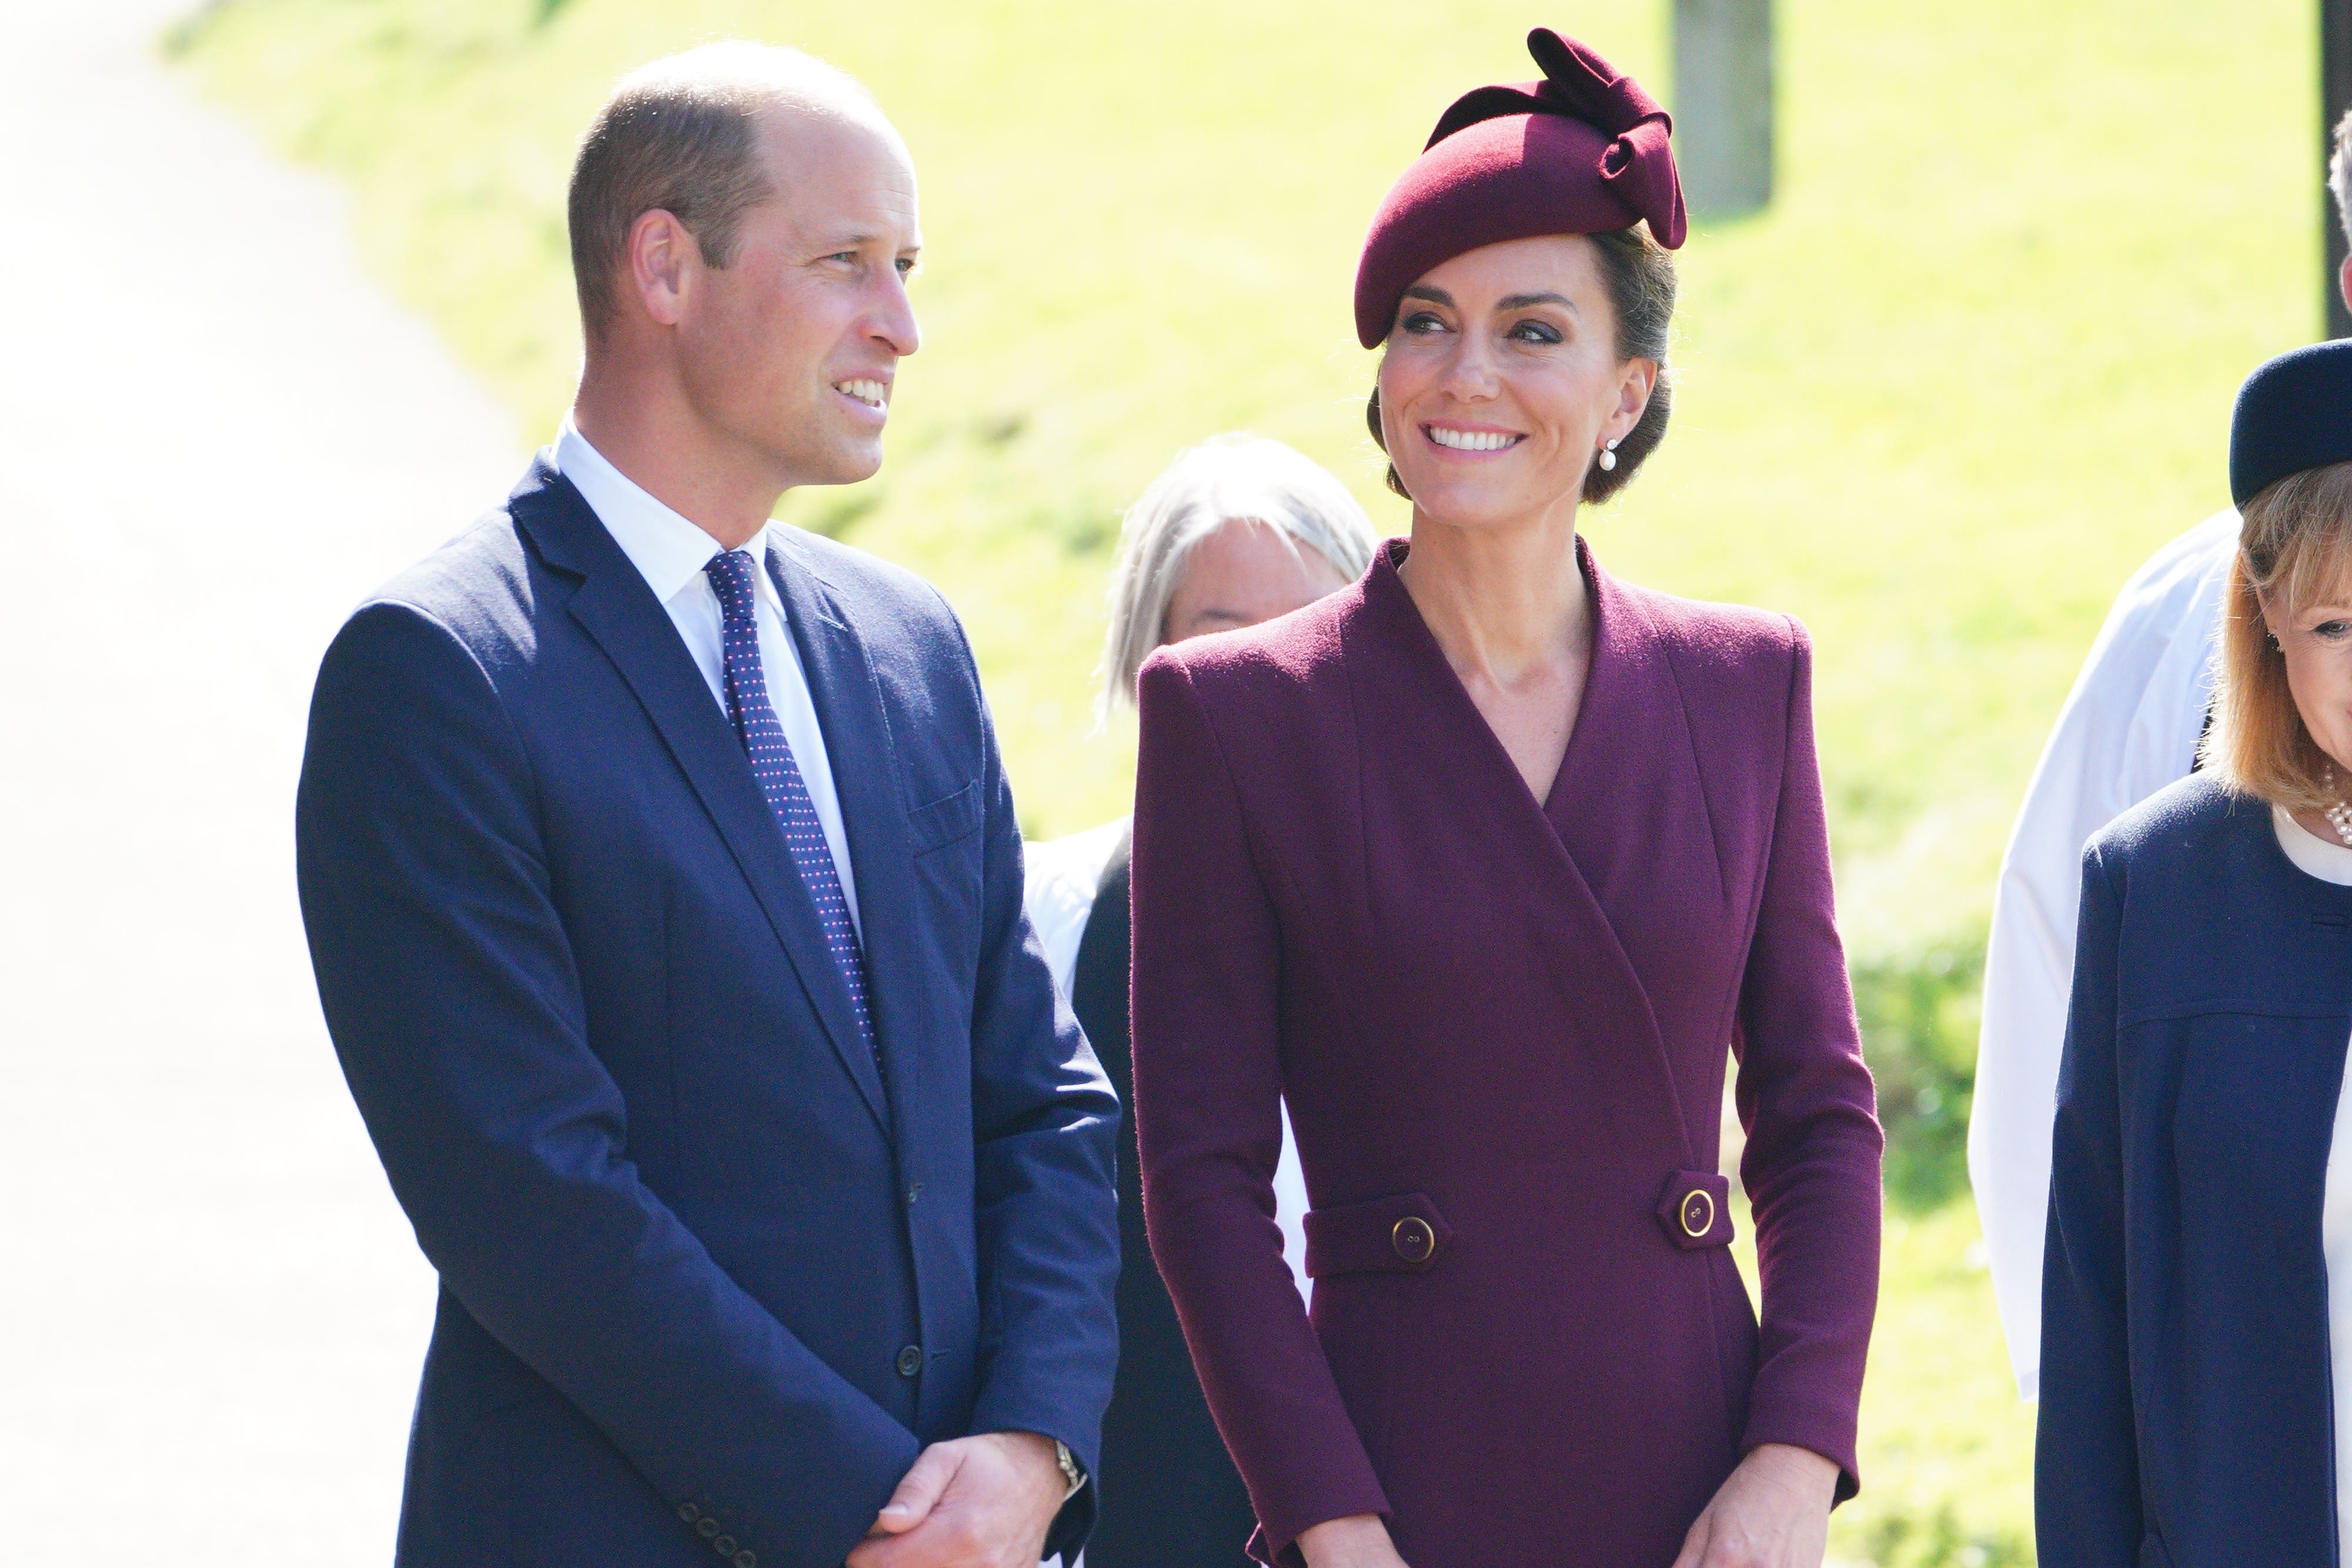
x=1224 y=479
x=2294 y=550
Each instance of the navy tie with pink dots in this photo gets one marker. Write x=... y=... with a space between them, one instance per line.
x=731 y=574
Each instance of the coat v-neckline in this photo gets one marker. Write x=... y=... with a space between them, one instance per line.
x=1387 y=583
x=1586 y=952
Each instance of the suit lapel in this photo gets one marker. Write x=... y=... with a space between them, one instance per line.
x=857 y=740
x=616 y=609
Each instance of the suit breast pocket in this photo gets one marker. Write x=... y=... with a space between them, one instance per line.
x=949 y=865
x=946 y=820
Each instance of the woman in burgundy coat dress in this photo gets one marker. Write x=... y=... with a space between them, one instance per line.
x=1486 y=863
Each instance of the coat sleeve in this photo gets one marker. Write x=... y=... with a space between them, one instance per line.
x=1045 y=1128
x=2085 y=1456
x=450 y=991
x=1208 y=1102
x=1812 y=1165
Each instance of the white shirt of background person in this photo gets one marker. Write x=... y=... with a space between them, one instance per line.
x=2129 y=728
x=670 y=553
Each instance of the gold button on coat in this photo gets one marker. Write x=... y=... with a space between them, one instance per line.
x=1698 y=1214
x=1412 y=1238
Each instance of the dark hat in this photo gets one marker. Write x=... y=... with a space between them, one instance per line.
x=2293 y=413
x=1581 y=152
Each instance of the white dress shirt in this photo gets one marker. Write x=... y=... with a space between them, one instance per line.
x=2332 y=862
x=2129 y=728
x=1060 y=878
x=670 y=553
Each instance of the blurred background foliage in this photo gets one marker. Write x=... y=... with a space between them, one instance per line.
x=1970 y=367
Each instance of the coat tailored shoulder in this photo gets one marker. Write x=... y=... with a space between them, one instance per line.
x=1502 y=1026
x=2186 y=1415
x=712 y=1270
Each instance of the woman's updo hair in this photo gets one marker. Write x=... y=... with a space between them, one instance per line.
x=1639 y=274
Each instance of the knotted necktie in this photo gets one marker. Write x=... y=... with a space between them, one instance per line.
x=732 y=574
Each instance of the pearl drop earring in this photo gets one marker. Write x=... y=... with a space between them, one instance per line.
x=1609 y=456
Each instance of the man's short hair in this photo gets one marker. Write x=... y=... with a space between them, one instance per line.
x=682 y=135
x=2340 y=174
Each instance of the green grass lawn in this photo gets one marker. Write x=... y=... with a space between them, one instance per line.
x=1946 y=1445
x=1972 y=365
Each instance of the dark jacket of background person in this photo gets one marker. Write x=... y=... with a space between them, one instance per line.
x=1172 y=1496
x=1503 y=1030
x=709 y=1277
x=2185 y=1406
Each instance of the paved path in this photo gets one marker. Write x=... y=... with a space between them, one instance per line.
x=216 y=434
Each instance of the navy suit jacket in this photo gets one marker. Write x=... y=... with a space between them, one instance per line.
x=709 y=1278
x=2186 y=1413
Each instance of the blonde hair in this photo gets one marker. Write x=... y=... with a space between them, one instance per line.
x=2294 y=550
x=1224 y=479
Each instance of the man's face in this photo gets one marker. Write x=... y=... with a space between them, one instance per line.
x=792 y=349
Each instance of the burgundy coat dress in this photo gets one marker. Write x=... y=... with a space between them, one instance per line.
x=1503 y=1030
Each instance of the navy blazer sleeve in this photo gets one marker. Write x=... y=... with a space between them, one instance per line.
x=451 y=993
x=1045 y=1126
x=2086 y=1462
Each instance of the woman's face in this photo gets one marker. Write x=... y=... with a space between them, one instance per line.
x=1501 y=381
x=1244 y=572
x=2317 y=640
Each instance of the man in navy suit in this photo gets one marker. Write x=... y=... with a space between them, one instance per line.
x=664 y=890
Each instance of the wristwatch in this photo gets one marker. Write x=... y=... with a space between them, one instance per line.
x=1070 y=1472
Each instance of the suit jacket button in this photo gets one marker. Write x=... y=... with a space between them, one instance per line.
x=725 y=1545
x=708 y=1528
x=1412 y=1238
x=910 y=1361
x=744 y=1559
x=689 y=1512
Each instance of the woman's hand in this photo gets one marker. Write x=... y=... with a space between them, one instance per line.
x=1358 y=1540
x=1773 y=1511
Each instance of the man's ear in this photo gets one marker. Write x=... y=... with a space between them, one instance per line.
x=660 y=260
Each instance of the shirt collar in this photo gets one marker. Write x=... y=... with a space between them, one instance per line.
x=668 y=551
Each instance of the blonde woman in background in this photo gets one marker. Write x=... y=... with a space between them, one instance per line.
x=1238 y=530
x=2197 y=1292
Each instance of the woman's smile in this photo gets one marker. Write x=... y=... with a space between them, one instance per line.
x=1472 y=440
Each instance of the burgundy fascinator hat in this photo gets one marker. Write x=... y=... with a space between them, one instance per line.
x=1581 y=152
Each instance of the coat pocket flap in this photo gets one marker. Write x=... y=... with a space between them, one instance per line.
x=1401 y=1235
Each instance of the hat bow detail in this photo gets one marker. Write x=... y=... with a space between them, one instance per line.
x=1637 y=167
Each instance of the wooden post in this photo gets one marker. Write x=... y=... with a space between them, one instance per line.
x=1723 y=103
x=2335 y=99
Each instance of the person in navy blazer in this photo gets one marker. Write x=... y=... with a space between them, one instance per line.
x=770 y=1186
x=2197 y=1291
